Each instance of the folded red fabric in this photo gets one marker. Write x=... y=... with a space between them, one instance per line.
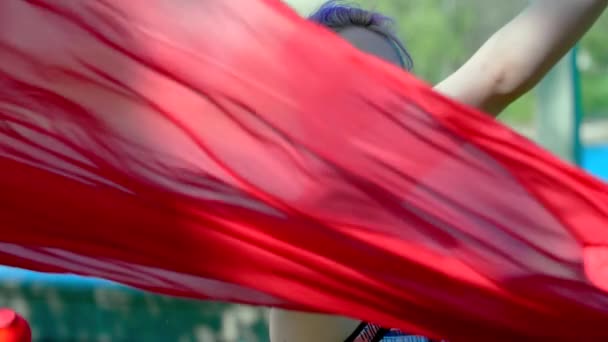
x=230 y=150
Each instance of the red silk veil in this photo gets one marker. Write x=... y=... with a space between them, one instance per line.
x=220 y=150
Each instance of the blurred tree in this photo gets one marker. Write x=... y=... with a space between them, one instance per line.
x=595 y=77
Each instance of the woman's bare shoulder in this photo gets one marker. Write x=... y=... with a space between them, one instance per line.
x=293 y=326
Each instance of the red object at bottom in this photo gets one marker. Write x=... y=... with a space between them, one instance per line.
x=13 y=328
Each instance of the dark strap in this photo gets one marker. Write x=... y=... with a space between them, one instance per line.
x=380 y=334
x=355 y=334
x=366 y=332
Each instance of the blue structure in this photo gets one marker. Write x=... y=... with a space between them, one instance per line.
x=595 y=160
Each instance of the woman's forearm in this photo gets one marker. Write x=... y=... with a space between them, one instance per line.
x=517 y=57
x=535 y=41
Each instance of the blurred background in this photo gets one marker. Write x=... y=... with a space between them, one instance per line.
x=567 y=113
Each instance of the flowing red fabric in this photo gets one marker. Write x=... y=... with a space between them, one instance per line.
x=230 y=150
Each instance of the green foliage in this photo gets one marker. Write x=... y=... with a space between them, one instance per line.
x=521 y=111
x=595 y=79
x=88 y=312
x=595 y=95
x=595 y=44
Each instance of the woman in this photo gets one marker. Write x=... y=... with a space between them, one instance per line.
x=508 y=65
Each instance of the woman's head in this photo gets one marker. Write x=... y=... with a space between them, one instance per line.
x=368 y=31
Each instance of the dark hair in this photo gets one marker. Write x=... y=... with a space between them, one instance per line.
x=337 y=15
